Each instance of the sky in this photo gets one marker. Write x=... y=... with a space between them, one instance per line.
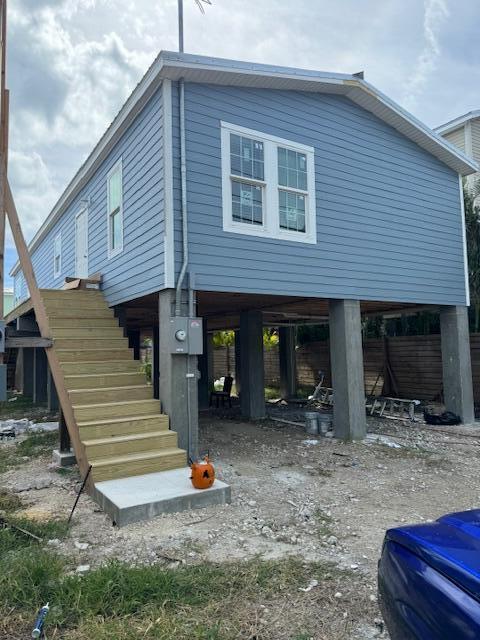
x=73 y=63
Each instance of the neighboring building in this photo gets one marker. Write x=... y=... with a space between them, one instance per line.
x=464 y=133
x=284 y=196
x=8 y=300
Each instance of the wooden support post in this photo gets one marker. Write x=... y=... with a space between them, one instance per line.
x=156 y=362
x=65 y=444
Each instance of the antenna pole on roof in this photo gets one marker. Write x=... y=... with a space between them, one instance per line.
x=180 y=20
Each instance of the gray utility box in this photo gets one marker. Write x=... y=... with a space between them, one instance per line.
x=186 y=335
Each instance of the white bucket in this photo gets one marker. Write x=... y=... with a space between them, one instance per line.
x=311 y=423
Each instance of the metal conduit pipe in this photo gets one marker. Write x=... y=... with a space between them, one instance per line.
x=183 y=180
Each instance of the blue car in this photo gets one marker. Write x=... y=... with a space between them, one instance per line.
x=429 y=579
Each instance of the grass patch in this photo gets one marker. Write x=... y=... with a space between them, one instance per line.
x=64 y=471
x=9 y=501
x=34 y=445
x=204 y=602
x=19 y=406
x=14 y=541
x=272 y=393
x=324 y=523
x=37 y=444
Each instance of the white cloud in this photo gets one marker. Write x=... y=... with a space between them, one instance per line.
x=435 y=14
x=72 y=63
x=33 y=189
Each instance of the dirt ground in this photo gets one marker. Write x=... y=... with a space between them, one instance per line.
x=292 y=495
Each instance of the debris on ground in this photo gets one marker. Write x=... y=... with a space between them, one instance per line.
x=328 y=502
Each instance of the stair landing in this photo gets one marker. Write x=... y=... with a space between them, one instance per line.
x=142 y=497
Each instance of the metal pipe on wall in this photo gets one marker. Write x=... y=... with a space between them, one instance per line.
x=183 y=180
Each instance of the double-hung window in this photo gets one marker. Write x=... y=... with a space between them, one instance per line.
x=115 y=210
x=57 y=255
x=268 y=185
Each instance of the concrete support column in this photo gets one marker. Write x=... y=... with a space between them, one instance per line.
x=346 y=355
x=457 y=367
x=238 y=358
x=205 y=366
x=251 y=365
x=178 y=381
x=288 y=362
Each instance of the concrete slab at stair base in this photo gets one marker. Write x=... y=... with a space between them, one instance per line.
x=138 y=498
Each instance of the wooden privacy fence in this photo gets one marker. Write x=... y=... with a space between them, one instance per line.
x=414 y=371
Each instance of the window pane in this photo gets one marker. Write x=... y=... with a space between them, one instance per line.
x=115 y=230
x=292 y=169
x=246 y=157
x=115 y=190
x=247 y=203
x=291 y=211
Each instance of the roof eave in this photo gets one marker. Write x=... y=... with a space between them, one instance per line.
x=450 y=126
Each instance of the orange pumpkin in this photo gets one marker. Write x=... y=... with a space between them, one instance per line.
x=203 y=474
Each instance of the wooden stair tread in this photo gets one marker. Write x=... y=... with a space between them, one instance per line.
x=130 y=457
x=86 y=376
x=119 y=388
x=107 y=421
x=126 y=438
x=121 y=403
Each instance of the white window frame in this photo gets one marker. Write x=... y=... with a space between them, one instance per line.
x=114 y=252
x=270 y=187
x=57 y=246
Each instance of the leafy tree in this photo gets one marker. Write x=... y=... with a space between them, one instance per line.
x=472 y=224
x=225 y=339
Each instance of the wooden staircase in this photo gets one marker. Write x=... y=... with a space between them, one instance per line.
x=119 y=422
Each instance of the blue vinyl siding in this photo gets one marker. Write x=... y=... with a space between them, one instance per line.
x=139 y=268
x=388 y=213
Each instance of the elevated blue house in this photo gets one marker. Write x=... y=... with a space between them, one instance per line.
x=262 y=195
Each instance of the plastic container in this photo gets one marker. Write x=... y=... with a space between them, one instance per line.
x=324 y=423
x=311 y=423
x=429 y=579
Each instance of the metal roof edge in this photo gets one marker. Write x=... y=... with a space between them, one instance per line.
x=451 y=125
